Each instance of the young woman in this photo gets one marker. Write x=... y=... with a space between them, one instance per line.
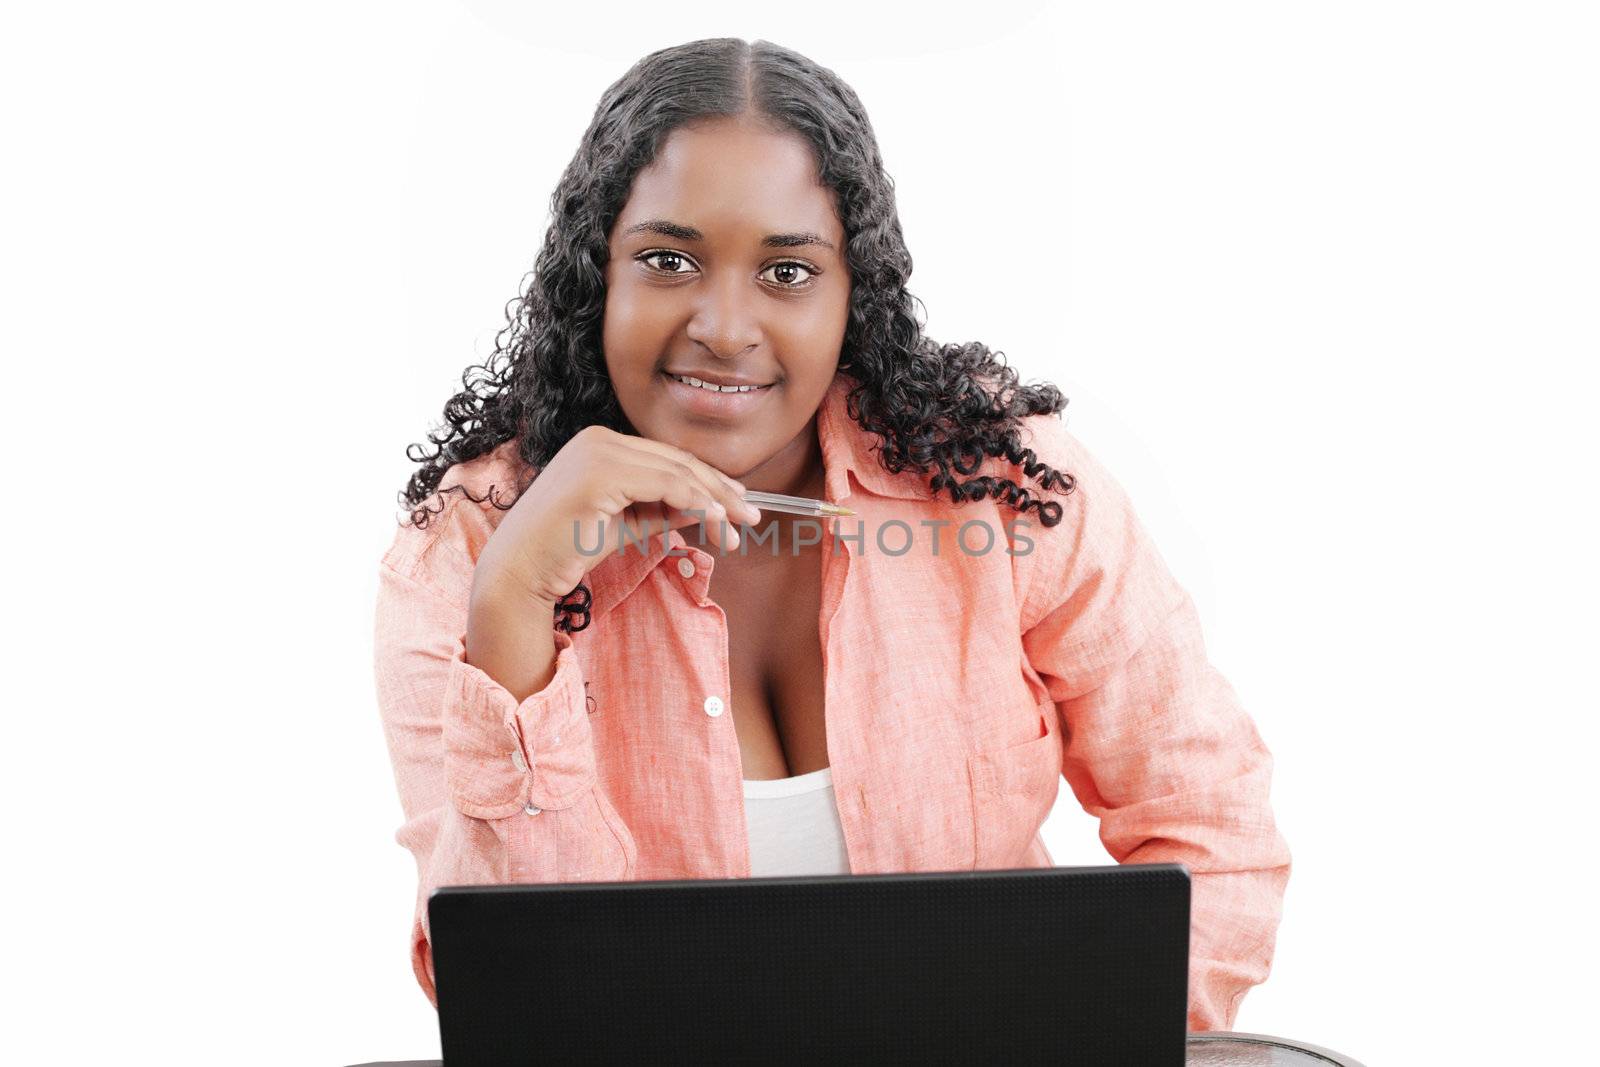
x=596 y=662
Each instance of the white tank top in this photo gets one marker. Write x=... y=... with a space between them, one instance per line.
x=794 y=826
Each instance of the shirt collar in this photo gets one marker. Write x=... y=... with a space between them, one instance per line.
x=849 y=461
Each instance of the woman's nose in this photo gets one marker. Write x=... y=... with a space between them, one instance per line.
x=726 y=317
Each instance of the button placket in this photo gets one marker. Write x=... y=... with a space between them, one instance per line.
x=521 y=763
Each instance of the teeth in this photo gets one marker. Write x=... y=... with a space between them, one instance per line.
x=698 y=384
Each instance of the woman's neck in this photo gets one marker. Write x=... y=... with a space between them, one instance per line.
x=795 y=469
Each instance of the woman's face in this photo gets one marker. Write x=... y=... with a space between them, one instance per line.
x=727 y=265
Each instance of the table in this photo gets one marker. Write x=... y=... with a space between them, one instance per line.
x=1216 y=1048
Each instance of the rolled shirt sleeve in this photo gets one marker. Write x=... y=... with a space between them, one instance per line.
x=468 y=758
x=1157 y=744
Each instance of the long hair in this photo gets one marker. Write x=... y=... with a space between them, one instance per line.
x=938 y=409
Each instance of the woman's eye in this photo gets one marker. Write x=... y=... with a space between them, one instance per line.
x=672 y=257
x=788 y=274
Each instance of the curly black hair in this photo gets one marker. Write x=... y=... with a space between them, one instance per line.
x=938 y=409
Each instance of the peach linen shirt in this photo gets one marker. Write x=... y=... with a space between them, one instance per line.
x=960 y=687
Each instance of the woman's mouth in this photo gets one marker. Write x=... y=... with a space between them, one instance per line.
x=714 y=387
x=699 y=397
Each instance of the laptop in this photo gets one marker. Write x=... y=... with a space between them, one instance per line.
x=1055 y=964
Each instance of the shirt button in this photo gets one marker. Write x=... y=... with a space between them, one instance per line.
x=713 y=706
x=531 y=810
x=686 y=566
x=518 y=762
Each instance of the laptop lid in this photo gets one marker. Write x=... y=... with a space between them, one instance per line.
x=1066 y=964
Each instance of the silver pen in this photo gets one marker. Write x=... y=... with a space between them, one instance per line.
x=794 y=505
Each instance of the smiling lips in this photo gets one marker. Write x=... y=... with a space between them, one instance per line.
x=718 y=387
x=698 y=397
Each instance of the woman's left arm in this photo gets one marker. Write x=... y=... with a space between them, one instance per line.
x=1157 y=744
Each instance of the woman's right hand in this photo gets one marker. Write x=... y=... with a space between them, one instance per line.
x=599 y=481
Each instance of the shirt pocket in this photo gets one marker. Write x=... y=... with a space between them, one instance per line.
x=1013 y=790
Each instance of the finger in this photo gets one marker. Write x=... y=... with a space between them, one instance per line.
x=727 y=488
x=646 y=520
x=712 y=512
x=640 y=522
x=682 y=498
x=712 y=518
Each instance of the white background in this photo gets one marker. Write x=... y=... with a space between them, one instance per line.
x=1320 y=281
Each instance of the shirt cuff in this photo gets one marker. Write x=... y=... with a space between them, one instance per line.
x=503 y=757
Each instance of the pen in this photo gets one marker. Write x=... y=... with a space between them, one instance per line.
x=794 y=505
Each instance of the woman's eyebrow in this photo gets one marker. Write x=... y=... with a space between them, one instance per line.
x=689 y=233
